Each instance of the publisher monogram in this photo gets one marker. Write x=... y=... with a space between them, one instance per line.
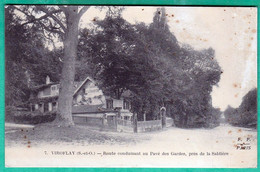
x=243 y=143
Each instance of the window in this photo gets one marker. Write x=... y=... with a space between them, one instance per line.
x=126 y=104
x=54 y=105
x=45 y=107
x=36 y=106
x=40 y=94
x=109 y=104
x=47 y=91
x=33 y=107
x=41 y=107
x=53 y=88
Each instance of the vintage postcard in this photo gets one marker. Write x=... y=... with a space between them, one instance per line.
x=130 y=86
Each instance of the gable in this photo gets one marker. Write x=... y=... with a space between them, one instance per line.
x=88 y=94
x=80 y=85
x=48 y=91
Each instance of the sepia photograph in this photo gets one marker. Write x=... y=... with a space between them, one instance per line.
x=130 y=86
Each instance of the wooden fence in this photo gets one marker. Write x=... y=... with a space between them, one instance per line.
x=122 y=125
x=146 y=126
x=125 y=126
x=169 y=122
x=142 y=126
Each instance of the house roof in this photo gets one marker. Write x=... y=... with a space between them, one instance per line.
x=82 y=83
x=77 y=86
x=126 y=94
x=42 y=86
x=90 y=109
x=43 y=99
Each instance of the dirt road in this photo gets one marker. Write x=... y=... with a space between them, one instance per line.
x=172 y=147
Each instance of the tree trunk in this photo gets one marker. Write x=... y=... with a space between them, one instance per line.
x=64 y=113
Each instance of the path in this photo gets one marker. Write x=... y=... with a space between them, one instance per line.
x=12 y=127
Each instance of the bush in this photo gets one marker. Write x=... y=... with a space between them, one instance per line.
x=11 y=112
x=35 y=117
x=246 y=114
x=210 y=118
x=9 y=117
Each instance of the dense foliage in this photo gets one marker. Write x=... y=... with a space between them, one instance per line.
x=149 y=61
x=27 y=61
x=246 y=114
x=22 y=116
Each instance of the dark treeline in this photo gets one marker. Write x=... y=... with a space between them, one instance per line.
x=28 y=61
x=148 y=60
x=246 y=114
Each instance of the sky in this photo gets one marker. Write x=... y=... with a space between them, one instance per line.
x=230 y=31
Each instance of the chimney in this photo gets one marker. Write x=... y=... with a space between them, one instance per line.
x=48 y=79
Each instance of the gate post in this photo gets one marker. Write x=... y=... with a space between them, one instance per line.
x=163 y=116
x=118 y=114
x=135 y=123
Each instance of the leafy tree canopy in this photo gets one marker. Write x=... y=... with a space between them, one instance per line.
x=246 y=114
x=149 y=61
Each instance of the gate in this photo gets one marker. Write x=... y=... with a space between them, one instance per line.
x=125 y=125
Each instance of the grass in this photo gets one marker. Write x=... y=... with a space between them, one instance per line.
x=46 y=133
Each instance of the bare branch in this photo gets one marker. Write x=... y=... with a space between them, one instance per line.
x=50 y=40
x=47 y=14
x=82 y=11
x=18 y=9
x=51 y=30
x=64 y=9
x=34 y=19
x=50 y=13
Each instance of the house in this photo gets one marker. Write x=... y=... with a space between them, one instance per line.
x=44 y=97
x=90 y=104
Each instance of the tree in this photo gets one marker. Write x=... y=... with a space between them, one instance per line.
x=149 y=61
x=119 y=60
x=246 y=114
x=62 y=22
x=185 y=78
x=14 y=51
x=28 y=61
x=110 y=49
x=203 y=73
